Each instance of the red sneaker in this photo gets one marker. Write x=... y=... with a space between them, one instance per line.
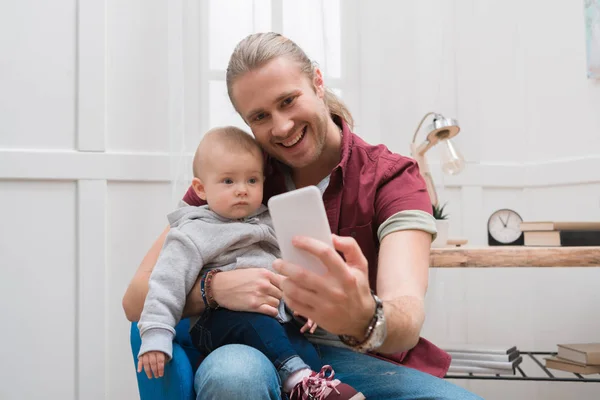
x=318 y=386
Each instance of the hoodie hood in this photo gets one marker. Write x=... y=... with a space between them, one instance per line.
x=203 y=213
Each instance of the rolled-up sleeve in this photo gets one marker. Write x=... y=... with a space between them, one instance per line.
x=408 y=220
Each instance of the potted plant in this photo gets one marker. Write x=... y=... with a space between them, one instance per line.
x=442 y=223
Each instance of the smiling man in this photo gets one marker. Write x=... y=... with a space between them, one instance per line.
x=372 y=298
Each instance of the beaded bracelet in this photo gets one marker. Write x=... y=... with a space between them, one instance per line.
x=203 y=289
x=206 y=289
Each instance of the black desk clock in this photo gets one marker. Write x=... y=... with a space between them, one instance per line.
x=504 y=228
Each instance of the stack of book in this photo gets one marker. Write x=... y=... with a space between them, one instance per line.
x=561 y=233
x=580 y=358
x=483 y=359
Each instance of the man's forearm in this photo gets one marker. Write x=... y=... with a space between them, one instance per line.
x=194 y=305
x=401 y=284
x=133 y=301
x=404 y=317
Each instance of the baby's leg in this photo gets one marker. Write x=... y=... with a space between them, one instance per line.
x=221 y=327
x=284 y=346
x=303 y=347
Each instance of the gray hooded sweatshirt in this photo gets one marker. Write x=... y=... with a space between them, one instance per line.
x=200 y=239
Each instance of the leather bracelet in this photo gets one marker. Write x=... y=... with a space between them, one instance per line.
x=352 y=341
x=206 y=289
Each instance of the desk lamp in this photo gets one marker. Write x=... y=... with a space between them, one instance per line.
x=440 y=131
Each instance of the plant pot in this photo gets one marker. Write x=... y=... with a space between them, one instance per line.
x=442 y=226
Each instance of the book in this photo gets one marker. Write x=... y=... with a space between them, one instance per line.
x=478 y=348
x=565 y=365
x=582 y=353
x=562 y=238
x=479 y=370
x=507 y=365
x=559 y=226
x=484 y=356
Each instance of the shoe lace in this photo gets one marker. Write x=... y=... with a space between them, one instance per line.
x=318 y=386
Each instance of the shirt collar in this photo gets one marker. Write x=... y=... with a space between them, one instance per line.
x=347 y=139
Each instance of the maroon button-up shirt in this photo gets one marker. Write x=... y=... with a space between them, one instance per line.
x=369 y=185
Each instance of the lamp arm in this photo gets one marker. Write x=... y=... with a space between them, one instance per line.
x=418 y=153
x=420 y=124
x=426 y=174
x=430 y=188
x=423 y=147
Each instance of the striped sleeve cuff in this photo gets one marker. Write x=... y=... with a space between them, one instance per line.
x=408 y=220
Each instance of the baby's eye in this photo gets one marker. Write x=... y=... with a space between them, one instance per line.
x=252 y=181
x=227 y=181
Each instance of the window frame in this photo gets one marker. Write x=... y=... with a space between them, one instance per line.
x=348 y=83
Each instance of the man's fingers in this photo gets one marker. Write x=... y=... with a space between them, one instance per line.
x=276 y=280
x=268 y=310
x=274 y=302
x=309 y=280
x=314 y=328
x=274 y=291
x=294 y=300
x=351 y=251
x=328 y=256
x=261 y=301
x=139 y=366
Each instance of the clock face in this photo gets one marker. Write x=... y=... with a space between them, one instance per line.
x=504 y=226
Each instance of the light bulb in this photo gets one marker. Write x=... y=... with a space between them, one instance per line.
x=452 y=161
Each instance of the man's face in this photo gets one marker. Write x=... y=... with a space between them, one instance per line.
x=285 y=110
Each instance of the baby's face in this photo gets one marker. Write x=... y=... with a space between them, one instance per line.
x=234 y=183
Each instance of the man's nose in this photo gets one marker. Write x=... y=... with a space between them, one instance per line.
x=282 y=125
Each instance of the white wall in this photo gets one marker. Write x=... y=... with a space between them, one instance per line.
x=514 y=74
x=85 y=169
x=84 y=188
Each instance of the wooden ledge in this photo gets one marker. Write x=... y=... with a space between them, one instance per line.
x=517 y=256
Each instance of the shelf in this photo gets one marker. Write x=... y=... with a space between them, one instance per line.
x=532 y=369
x=514 y=256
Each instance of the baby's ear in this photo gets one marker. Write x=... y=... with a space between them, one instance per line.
x=198 y=187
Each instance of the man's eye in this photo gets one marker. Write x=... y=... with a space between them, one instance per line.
x=260 y=117
x=287 y=101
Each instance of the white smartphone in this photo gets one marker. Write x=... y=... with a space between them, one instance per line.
x=300 y=212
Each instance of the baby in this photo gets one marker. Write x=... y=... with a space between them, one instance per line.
x=232 y=231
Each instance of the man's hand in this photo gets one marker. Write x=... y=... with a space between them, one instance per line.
x=152 y=362
x=248 y=289
x=340 y=301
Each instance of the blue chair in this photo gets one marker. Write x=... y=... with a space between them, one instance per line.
x=178 y=382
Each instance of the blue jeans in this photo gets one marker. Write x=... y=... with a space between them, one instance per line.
x=241 y=372
x=282 y=344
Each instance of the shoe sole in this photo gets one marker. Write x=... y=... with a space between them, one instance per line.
x=358 y=396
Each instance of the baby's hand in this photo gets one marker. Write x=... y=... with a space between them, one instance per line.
x=153 y=362
x=308 y=325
